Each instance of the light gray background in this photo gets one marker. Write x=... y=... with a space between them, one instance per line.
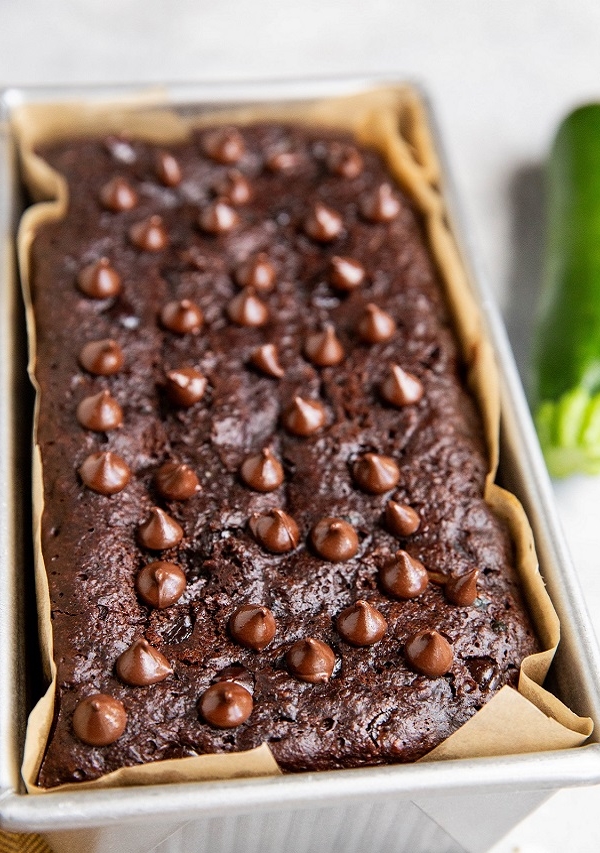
x=500 y=73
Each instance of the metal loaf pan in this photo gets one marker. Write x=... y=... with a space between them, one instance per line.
x=446 y=807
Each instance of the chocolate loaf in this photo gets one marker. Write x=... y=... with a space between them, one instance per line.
x=263 y=474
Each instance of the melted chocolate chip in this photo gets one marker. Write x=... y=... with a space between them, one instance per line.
x=361 y=624
x=252 y=626
x=167 y=169
x=310 y=660
x=160 y=584
x=225 y=705
x=118 y=195
x=176 y=481
x=159 y=531
x=185 y=386
x=105 y=473
x=265 y=359
x=375 y=474
x=149 y=235
x=234 y=187
x=275 y=530
x=344 y=161
x=219 y=217
x=141 y=664
x=404 y=577
x=257 y=272
x=462 y=590
x=102 y=358
x=401 y=519
x=324 y=348
x=99 y=280
x=262 y=471
x=99 y=719
x=345 y=273
x=246 y=309
x=429 y=653
x=100 y=412
x=224 y=145
x=382 y=205
x=304 y=417
x=334 y=539
x=401 y=388
x=485 y=673
x=182 y=317
x=375 y=326
x=323 y=224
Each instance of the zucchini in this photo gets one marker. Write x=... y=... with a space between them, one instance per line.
x=566 y=364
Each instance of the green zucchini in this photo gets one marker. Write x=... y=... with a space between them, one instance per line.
x=566 y=364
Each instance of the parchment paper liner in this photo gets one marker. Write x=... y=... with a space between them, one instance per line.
x=393 y=121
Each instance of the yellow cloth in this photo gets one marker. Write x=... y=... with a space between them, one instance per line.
x=10 y=842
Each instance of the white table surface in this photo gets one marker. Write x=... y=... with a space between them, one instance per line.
x=501 y=74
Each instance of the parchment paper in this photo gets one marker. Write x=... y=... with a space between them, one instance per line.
x=393 y=121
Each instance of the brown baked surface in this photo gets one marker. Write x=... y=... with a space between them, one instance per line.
x=375 y=708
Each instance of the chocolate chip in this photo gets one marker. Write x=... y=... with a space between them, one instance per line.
x=334 y=539
x=105 y=473
x=176 y=481
x=401 y=388
x=324 y=349
x=375 y=326
x=401 y=519
x=141 y=664
x=246 y=309
x=275 y=530
x=224 y=145
x=265 y=359
x=159 y=531
x=100 y=412
x=382 y=205
x=167 y=169
x=118 y=195
x=345 y=273
x=160 y=584
x=149 y=235
x=323 y=224
x=304 y=417
x=185 y=386
x=283 y=160
x=311 y=660
x=361 y=624
x=429 y=653
x=219 y=217
x=257 y=272
x=102 y=358
x=344 y=161
x=262 y=471
x=404 y=577
x=462 y=590
x=225 y=705
x=182 y=317
x=252 y=626
x=375 y=474
x=99 y=719
x=99 y=280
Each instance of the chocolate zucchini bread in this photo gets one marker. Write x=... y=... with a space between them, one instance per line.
x=263 y=474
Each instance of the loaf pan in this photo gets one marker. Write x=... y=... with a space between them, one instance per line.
x=447 y=807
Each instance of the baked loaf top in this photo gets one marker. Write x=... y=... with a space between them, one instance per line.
x=259 y=306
